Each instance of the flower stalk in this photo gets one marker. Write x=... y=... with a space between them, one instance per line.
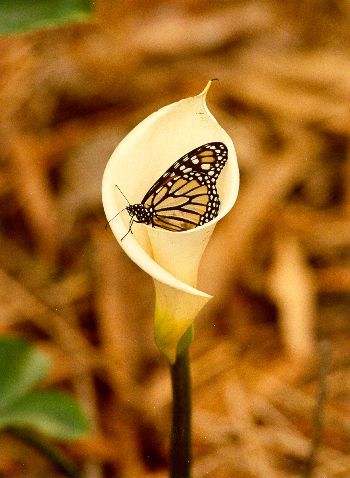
x=180 y=457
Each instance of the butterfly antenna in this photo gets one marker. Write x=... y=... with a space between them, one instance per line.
x=114 y=217
x=121 y=192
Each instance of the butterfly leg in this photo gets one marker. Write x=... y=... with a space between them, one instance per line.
x=129 y=230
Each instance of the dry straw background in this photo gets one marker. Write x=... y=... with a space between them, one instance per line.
x=278 y=330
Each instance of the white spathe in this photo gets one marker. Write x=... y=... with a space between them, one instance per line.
x=171 y=258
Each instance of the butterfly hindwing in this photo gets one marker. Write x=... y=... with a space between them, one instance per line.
x=185 y=196
x=184 y=206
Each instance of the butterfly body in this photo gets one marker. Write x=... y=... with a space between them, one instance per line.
x=141 y=213
x=185 y=196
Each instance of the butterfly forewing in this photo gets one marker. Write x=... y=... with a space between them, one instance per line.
x=185 y=196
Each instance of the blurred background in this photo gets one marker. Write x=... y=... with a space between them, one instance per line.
x=273 y=346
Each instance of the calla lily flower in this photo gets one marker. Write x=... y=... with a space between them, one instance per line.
x=171 y=258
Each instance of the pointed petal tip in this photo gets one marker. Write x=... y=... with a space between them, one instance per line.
x=208 y=85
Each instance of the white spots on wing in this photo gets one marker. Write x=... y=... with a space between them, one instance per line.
x=195 y=161
x=187 y=170
x=205 y=167
x=182 y=167
x=210 y=173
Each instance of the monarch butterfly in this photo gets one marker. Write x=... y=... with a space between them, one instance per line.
x=185 y=196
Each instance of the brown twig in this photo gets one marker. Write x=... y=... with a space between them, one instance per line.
x=318 y=421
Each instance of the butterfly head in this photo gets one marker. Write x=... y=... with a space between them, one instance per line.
x=140 y=212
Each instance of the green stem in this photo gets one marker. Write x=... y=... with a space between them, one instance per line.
x=180 y=445
x=56 y=456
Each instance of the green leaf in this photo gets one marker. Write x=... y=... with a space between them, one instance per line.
x=22 y=366
x=21 y=15
x=52 y=413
